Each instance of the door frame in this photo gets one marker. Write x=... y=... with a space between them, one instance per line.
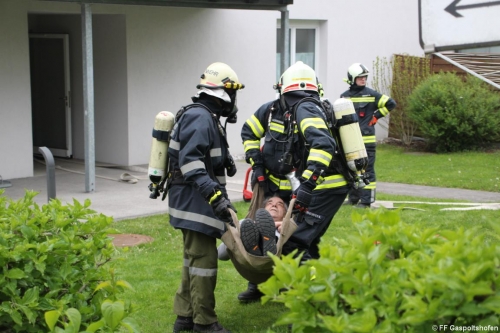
x=68 y=152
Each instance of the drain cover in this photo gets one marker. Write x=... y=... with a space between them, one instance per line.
x=122 y=240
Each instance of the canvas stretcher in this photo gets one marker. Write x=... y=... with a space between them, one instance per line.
x=256 y=269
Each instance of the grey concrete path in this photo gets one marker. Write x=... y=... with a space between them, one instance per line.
x=121 y=199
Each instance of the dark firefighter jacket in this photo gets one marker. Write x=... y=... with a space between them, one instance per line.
x=369 y=103
x=196 y=138
x=313 y=145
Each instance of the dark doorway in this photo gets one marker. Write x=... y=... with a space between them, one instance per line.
x=50 y=91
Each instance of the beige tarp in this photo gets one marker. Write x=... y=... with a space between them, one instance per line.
x=256 y=269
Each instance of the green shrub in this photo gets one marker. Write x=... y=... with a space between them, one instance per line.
x=115 y=313
x=51 y=259
x=455 y=114
x=390 y=277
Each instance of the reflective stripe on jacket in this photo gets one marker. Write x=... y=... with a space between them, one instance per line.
x=269 y=122
x=195 y=136
x=369 y=103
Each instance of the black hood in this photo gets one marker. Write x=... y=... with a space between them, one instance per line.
x=355 y=87
x=209 y=101
x=291 y=98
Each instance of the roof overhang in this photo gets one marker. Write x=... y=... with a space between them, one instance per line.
x=222 y=4
x=485 y=66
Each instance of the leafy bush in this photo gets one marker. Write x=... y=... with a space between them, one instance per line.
x=115 y=313
x=455 y=114
x=52 y=258
x=390 y=277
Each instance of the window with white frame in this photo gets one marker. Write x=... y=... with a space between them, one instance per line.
x=304 y=37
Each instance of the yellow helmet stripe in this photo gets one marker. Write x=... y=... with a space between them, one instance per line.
x=232 y=85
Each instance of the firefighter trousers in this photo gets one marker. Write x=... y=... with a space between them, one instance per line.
x=196 y=295
x=314 y=224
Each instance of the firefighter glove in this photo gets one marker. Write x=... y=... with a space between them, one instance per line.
x=303 y=194
x=260 y=177
x=230 y=166
x=373 y=121
x=220 y=205
x=303 y=197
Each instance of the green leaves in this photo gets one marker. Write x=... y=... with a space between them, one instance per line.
x=113 y=312
x=455 y=114
x=52 y=258
x=391 y=277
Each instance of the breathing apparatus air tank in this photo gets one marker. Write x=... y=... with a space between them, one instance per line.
x=351 y=138
x=164 y=121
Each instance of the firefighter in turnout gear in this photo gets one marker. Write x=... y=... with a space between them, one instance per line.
x=296 y=137
x=198 y=201
x=370 y=105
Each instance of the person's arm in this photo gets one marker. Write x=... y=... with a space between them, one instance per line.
x=315 y=132
x=195 y=137
x=384 y=103
x=196 y=133
x=252 y=131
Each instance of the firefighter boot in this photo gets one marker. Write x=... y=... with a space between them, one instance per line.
x=183 y=324
x=214 y=327
x=252 y=294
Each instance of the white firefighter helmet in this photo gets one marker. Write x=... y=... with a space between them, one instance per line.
x=299 y=76
x=356 y=70
x=220 y=75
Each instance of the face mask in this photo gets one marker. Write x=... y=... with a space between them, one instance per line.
x=232 y=118
x=229 y=110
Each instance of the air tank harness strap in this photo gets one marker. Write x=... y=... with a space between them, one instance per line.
x=347 y=119
x=161 y=135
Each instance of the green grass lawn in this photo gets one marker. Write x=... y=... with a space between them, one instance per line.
x=154 y=269
x=470 y=170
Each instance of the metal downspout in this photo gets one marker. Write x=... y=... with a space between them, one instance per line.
x=285 y=38
x=88 y=98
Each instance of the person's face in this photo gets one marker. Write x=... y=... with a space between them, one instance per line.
x=276 y=207
x=361 y=81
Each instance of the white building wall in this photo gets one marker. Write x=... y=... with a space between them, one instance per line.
x=167 y=49
x=359 y=31
x=15 y=104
